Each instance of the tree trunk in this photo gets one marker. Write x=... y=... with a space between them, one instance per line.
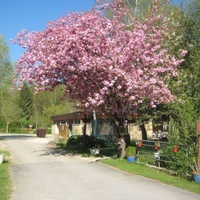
x=121 y=147
x=120 y=127
x=144 y=132
x=84 y=133
x=7 y=127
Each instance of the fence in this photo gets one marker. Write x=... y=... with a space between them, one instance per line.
x=152 y=150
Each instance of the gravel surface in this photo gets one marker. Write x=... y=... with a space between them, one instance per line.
x=39 y=173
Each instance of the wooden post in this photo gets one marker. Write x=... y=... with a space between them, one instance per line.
x=198 y=153
x=198 y=144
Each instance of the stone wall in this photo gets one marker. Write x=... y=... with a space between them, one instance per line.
x=135 y=131
x=77 y=129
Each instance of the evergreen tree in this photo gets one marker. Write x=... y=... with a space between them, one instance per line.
x=26 y=104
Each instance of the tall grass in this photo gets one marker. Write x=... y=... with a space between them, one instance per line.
x=5 y=181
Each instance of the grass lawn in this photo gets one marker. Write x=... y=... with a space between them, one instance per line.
x=5 y=182
x=160 y=176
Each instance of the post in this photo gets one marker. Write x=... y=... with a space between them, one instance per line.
x=198 y=143
x=84 y=132
x=198 y=153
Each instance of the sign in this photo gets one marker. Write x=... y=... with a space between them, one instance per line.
x=198 y=127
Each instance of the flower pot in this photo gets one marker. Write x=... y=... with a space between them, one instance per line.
x=41 y=132
x=1 y=158
x=140 y=144
x=131 y=159
x=156 y=147
x=196 y=177
x=175 y=149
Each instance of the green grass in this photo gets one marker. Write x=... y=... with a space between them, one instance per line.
x=5 y=181
x=160 y=176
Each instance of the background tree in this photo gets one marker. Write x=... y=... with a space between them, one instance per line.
x=26 y=104
x=106 y=64
x=186 y=86
x=192 y=40
x=186 y=109
x=10 y=110
x=6 y=68
x=21 y=108
x=49 y=103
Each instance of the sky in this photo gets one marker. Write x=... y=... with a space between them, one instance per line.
x=33 y=15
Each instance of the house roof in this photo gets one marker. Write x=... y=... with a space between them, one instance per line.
x=73 y=115
x=81 y=115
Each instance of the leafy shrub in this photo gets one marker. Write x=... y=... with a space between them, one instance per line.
x=182 y=131
x=77 y=141
x=131 y=151
x=178 y=162
x=15 y=130
x=2 y=130
x=48 y=130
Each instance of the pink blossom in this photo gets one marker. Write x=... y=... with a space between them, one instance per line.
x=103 y=64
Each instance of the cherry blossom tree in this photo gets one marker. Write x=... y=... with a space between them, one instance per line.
x=113 y=66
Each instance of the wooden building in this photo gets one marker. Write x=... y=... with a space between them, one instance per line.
x=72 y=124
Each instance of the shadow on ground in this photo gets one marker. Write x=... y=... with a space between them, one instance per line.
x=16 y=136
x=85 y=153
x=50 y=150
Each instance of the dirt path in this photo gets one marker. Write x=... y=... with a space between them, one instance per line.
x=38 y=173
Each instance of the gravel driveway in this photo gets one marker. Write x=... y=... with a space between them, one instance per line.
x=38 y=173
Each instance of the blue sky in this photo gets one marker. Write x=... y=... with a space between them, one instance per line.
x=33 y=15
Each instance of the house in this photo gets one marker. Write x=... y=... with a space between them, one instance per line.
x=70 y=124
x=161 y=127
x=73 y=124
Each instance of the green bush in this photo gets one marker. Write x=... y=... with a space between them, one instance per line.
x=77 y=141
x=182 y=131
x=15 y=130
x=178 y=162
x=48 y=130
x=2 y=130
x=131 y=151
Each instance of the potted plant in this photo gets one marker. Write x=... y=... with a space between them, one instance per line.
x=195 y=160
x=131 y=153
x=196 y=170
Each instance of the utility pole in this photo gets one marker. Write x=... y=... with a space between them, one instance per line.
x=84 y=132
